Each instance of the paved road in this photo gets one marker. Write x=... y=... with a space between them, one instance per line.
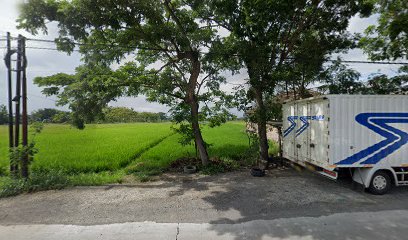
x=285 y=204
x=379 y=225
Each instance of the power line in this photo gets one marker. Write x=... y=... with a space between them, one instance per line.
x=105 y=45
x=172 y=50
x=368 y=62
x=46 y=48
x=49 y=99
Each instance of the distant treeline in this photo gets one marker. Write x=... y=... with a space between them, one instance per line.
x=127 y=115
x=110 y=115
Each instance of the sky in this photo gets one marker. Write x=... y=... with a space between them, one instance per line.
x=46 y=62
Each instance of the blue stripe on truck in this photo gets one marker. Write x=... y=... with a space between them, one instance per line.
x=394 y=138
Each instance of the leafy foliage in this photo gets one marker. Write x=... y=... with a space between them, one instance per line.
x=339 y=79
x=157 y=32
x=50 y=115
x=3 y=115
x=38 y=181
x=87 y=92
x=280 y=41
x=388 y=39
x=17 y=154
x=128 y=115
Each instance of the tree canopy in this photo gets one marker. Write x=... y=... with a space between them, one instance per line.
x=164 y=42
x=388 y=39
x=273 y=38
x=339 y=79
x=3 y=114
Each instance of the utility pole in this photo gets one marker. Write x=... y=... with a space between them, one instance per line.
x=17 y=98
x=7 y=60
x=21 y=85
x=24 y=164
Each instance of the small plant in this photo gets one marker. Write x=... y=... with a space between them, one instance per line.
x=3 y=171
x=251 y=155
x=11 y=187
x=46 y=180
x=186 y=134
x=220 y=165
x=212 y=169
x=20 y=153
x=38 y=181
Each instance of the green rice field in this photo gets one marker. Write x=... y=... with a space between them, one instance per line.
x=113 y=147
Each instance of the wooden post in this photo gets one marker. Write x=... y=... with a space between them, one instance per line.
x=24 y=163
x=7 y=59
x=17 y=98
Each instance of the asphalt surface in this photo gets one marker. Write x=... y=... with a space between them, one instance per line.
x=234 y=201
x=379 y=225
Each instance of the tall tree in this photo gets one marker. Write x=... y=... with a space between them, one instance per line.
x=266 y=36
x=3 y=114
x=46 y=114
x=383 y=84
x=339 y=79
x=169 y=42
x=388 y=39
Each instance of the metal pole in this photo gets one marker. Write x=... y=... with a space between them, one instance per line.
x=17 y=98
x=24 y=164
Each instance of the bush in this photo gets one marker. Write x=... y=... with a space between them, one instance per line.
x=11 y=187
x=3 y=171
x=92 y=179
x=212 y=169
x=220 y=165
x=46 y=180
x=39 y=180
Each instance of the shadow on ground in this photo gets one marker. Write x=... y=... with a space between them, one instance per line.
x=286 y=199
x=288 y=194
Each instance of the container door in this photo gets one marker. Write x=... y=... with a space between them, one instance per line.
x=319 y=131
x=302 y=132
x=289 y=125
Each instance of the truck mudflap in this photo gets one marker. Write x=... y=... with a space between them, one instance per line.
x=328 y=173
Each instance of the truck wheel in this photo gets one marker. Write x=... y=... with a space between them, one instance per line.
x=380 y=183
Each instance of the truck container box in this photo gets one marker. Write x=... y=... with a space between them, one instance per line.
x=347 y=131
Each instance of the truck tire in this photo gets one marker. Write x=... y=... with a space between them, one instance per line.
x=380 y=183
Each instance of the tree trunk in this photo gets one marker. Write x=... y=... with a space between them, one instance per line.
x=193 y=102
x=261 y=121
x=199 y=141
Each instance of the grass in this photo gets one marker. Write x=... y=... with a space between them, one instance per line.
x=4 y=162
x=94 y=179
x=106 y=153
x=97 y=148
x=228 y=140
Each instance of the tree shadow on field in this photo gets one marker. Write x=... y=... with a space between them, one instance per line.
x=286 y=194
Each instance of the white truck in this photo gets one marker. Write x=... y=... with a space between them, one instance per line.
x=365 y=135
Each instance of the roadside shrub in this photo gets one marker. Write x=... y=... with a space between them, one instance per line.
x=220 y=165
x=143 y=177
x=92 y=179
x=3 y=171
x=46 y=180
x=212 y=169
x=38 y=181
x=11 y=187
x=273 y=148
x=230 y=164
x=251 y=155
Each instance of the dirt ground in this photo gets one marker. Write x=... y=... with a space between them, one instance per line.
x=226 y=198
